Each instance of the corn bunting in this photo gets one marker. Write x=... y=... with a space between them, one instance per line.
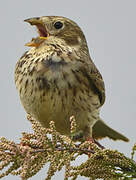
x=57 y=79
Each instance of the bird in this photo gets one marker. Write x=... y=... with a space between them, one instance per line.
x=56 y=79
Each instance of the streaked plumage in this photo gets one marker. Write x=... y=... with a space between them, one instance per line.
x=56 y=79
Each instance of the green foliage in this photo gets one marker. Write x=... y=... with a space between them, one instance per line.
x=47 y=145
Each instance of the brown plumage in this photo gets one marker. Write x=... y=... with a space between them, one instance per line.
x=56 y=79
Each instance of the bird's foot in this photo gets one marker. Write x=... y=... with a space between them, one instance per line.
x=91 y=141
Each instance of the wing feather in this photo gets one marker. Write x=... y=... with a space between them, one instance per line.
x=95 y=79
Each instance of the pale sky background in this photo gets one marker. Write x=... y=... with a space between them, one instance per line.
x=110 y=29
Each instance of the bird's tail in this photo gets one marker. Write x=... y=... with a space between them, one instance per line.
x=101 y=130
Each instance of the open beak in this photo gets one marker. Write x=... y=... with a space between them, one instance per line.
x=42 y=31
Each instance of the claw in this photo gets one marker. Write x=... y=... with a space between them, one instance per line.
x=92 y=140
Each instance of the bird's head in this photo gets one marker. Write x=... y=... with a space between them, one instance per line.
x=58 y=27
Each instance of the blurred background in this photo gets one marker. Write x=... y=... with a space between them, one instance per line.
x=110 y=29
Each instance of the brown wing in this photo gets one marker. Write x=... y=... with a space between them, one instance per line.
x=96 y=81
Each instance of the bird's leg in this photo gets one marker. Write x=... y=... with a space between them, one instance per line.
x=92 y=140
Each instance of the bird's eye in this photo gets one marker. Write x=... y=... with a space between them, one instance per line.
x=58 y=25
